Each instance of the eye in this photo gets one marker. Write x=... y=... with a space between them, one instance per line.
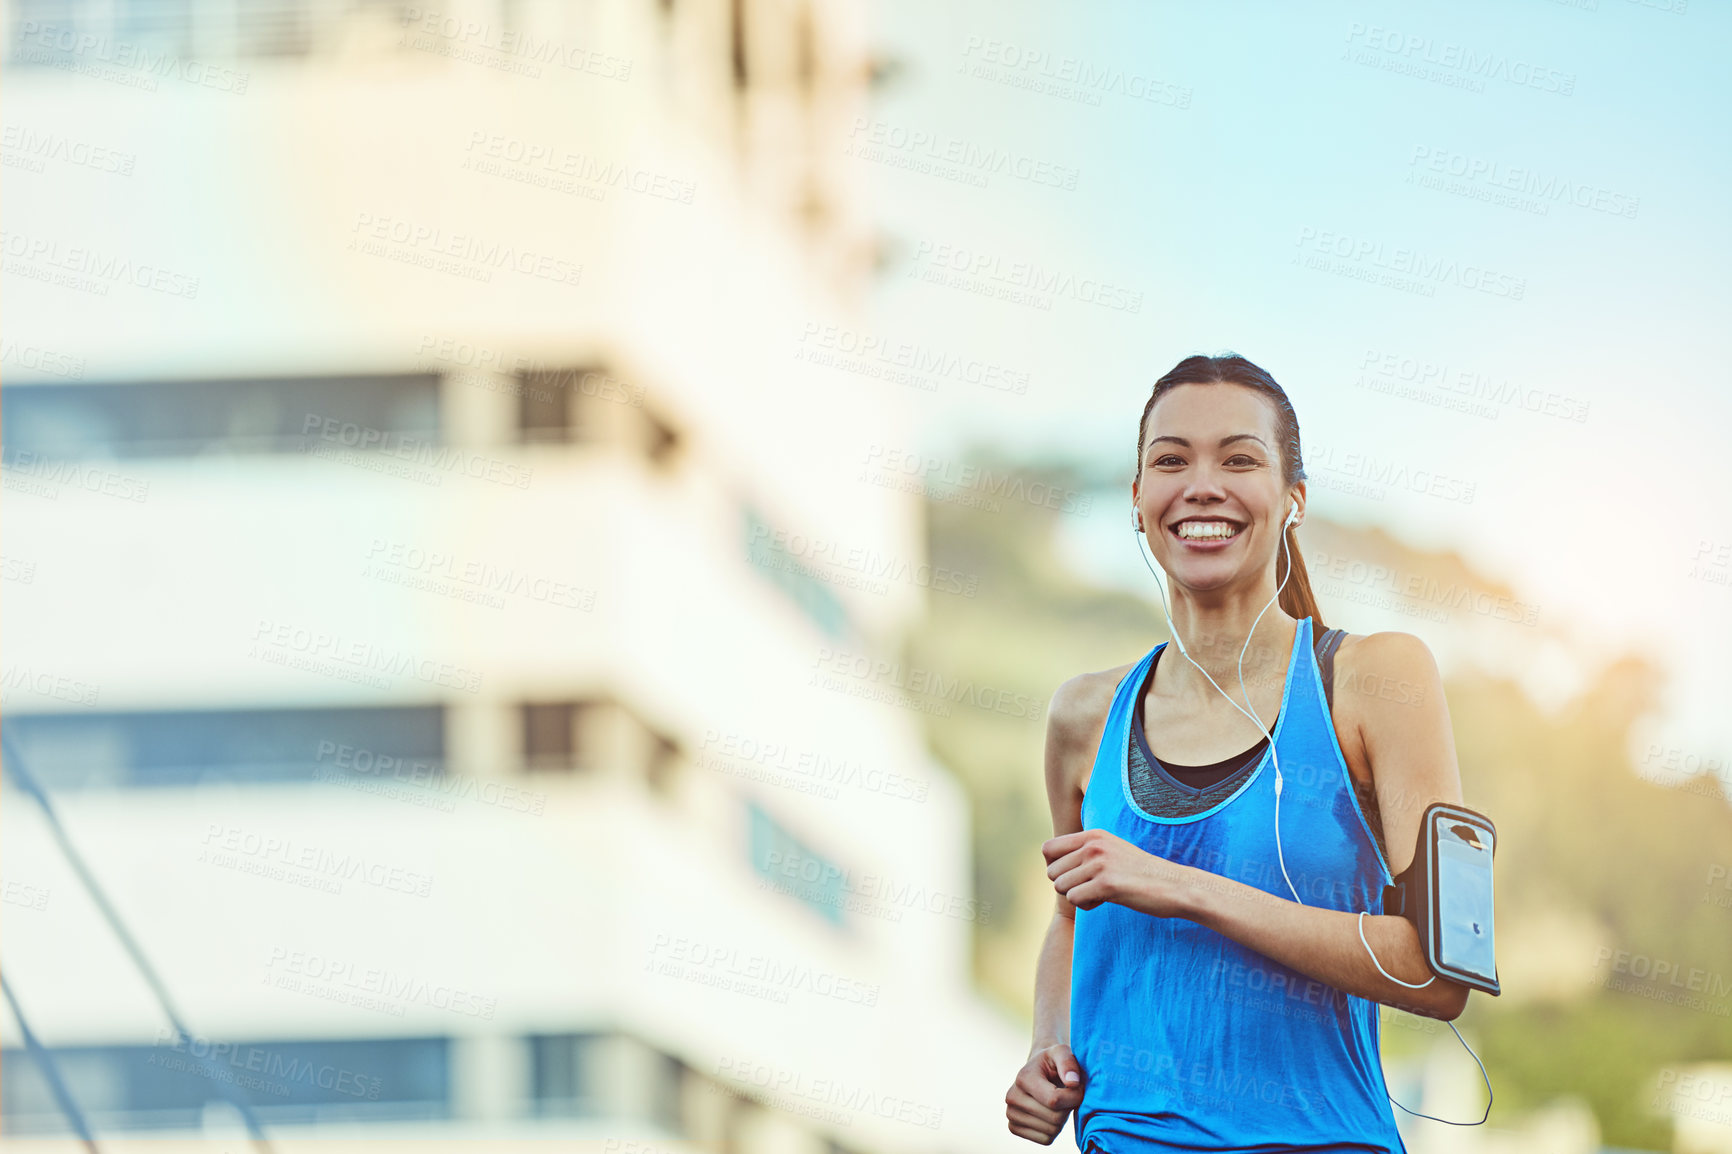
x=1245 y=458
x=1159 y=461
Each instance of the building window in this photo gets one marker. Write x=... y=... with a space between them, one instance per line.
x=565 y=1075
x=597 y=734
x=668 y=1077
x=275 y=28
x=164 y=1086
x=550 y=408
x=155 y=34
x=554 y=736
x=587 y=404
x=606 y=1075
x=399 y=413
x=203 y=747
x=573 y=404
x=798 y=581
x=792 y=867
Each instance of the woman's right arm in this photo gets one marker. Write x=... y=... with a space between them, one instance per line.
x=1050 y=1084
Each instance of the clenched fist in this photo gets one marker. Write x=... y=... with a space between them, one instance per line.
x=1046 y=1090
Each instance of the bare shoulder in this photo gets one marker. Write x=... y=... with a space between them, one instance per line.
x=1389 y=691
x=1389 y=667
x=1076 y=718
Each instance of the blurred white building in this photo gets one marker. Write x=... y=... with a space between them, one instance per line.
x=433 y=599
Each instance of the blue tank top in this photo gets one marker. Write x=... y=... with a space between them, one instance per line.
x=1191 y=1041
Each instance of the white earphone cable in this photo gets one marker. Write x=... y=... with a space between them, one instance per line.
x=1274 y=757
x=1379 y=965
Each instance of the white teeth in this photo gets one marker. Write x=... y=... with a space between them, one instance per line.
x=1204 y=530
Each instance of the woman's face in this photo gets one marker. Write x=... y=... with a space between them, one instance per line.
x=1209 y=488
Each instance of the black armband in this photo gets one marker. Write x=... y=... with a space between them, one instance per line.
x=1446 y=892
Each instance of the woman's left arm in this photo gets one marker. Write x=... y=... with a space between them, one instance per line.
x=1411 y=749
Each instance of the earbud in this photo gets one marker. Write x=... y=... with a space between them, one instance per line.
x=1292 y=514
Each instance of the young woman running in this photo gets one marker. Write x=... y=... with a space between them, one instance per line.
x=1200 y=988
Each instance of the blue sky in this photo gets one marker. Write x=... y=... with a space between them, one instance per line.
x=1573 y=156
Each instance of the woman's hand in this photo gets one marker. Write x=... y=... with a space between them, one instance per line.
x=1093 y=866
x=1047 y=1088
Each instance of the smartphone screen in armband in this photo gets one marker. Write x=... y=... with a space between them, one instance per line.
x=1447 y=894
x=1462 y=909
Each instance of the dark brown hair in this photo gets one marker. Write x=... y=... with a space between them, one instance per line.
x=1296 y=600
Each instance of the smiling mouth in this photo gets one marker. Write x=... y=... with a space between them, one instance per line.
x=1206 y=529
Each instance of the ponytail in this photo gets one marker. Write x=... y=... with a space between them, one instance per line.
x=1297 y=599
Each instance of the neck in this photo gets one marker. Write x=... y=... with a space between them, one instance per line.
x=1215 y=629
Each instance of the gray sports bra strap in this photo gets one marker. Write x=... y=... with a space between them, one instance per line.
x=1326 y=646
